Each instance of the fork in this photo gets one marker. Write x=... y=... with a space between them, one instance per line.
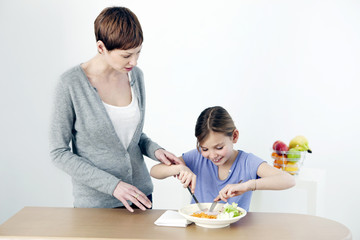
x=212 y=206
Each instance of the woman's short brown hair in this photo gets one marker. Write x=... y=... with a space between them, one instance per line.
x=118 y=28
x=215 y=119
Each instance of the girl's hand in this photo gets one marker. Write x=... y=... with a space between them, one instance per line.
x=167 y=157
x=232 y=190
x=125 y=191
x=187 y=177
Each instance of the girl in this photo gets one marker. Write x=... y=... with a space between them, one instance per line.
x=214 y=169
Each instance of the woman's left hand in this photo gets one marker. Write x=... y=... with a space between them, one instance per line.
x=125 y=191
x=167 y=157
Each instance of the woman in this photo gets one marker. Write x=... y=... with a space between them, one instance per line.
x=99 y=107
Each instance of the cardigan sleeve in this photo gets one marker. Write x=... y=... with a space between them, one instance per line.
x=148 y=147
x=60 y=136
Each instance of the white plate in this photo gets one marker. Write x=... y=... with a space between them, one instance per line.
x=187 y=211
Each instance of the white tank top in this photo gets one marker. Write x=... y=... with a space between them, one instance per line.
x=125 y=119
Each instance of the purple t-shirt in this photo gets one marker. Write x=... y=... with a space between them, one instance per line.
x=208 y=183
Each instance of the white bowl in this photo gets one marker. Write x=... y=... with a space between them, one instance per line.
x=187 y=211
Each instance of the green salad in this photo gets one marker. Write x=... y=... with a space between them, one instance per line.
x=229 y=211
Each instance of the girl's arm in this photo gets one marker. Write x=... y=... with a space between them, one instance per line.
x=181 y=171
x=271 y=179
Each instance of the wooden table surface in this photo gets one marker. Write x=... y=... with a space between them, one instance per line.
x=85 y=223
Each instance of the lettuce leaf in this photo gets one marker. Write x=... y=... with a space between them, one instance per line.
x=232 y=209
x=229 y=211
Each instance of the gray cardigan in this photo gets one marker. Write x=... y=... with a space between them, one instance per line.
x=97 y=160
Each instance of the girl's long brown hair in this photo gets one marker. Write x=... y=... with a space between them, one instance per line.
x=215 y=119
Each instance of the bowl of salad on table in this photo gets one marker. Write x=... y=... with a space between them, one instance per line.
x=222 y=215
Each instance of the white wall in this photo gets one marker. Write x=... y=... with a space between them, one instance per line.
x=281 y=68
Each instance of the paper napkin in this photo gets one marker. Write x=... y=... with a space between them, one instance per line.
x=172 y=219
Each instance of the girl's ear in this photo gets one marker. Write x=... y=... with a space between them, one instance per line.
x=100 y=47
x=235 y=136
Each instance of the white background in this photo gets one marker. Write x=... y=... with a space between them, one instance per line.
x=281 y=68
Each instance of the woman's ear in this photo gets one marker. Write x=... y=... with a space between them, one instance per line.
x=100 y=47
x=235 y=136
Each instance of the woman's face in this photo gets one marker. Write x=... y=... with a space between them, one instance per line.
x=122 y=60
x=218 y=147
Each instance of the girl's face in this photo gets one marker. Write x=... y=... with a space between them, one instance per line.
x=218 y=147
x=121 y=60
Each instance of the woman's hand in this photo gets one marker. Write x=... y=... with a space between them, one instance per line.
x=167 y=157
x=125 y=191
x=232 y=190
x=187 y=177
